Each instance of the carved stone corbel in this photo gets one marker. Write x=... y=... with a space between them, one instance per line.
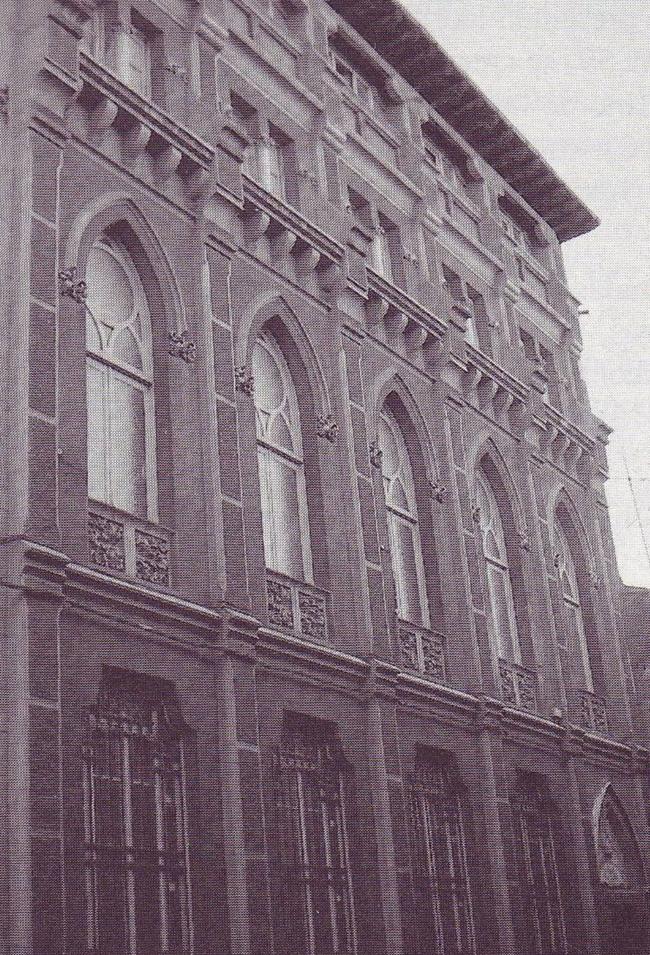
x=167 y=162
x=307 y=259
x=376 y=309
x=415 y=336
x=103 y=115
x=136 y=139
x=395 y=321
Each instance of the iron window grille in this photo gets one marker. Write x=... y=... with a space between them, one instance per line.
x=535 y=827
x=443 y=898
x=313 y=801
x=135 y=826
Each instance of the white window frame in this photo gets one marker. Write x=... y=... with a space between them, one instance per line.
x=405 y=518
x=140 y=379
x=295 y=460
x=491 y=523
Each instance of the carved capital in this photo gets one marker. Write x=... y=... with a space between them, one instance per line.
x=70 y=287
x=181 y=346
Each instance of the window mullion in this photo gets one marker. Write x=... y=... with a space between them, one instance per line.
x=129 y=848
x=306 y=861
x=160 y=846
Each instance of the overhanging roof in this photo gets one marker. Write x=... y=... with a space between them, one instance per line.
x=411 y=50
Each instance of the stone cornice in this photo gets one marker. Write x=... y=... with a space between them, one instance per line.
x=410 y=49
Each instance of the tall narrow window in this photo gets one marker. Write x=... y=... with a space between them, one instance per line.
x=285 y=519
x=137 y=61
x=403 y=527
x=135 y=849
x=441 y=879
x=380 y=258
x=502 y=622
x=534 y=820
x=313 y=800
x=121 y=420
x=573 y=638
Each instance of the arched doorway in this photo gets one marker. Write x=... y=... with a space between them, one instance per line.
x=621 y=878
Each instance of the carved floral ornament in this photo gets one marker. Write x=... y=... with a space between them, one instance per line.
x=244 y=381
x=71 y=287
x=327 y=427
x=376 y=454
x=181 y=346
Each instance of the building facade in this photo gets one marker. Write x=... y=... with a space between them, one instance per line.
x=310 y=644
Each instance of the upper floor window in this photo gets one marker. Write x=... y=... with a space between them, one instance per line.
x=572 y=635
x=536 y=850
x=285 y=518
x=385 y=252
x=353 y=76
x=502 y=621
x=120 y=394
x=124 y=48
x=403 y=524
x=445 y=919
x=314 y=808
x=263 y=162
x=135 y=827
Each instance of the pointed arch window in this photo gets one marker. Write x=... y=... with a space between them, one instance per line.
x=502 y=621
x=120 y=395
x=574 y=637
x=403 y=525
x=135 y=825
x=440 y=868
x=536 y=849
x=285 y=516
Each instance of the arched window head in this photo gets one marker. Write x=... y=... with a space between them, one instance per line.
x=285 y=517
x=502 y=622
x=617 y=852
x=403 y=527
x=121 y=420
x=571 y=633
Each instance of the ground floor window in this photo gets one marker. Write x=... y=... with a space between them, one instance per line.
x=445 y=921
x=314 y=802
x=536 y=846
x=135 y=847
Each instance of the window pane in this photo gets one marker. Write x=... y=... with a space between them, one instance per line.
x=97 y=438
x=110 y=295
x=138 y=64
x=126 y=349
x=269 y=387
x=405 y=569
x=280 y=515
x=128 y=456
x=501 y=603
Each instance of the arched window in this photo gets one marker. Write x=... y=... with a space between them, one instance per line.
x=502 y=622
x=536 y=850
x=573 y=638
x=403 y=527
x=121 y=420
x=285 y=518
x=441 y=877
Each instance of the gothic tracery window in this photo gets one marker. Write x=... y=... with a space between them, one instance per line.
x=403 y=526
x=574 y=637
x=536 y=849
x=440 y=869
x=135 y=826
x=502 y=621
x=120 y=394
x=313 y=804
x=285 y=519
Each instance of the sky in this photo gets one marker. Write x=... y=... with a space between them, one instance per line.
x=573 y=76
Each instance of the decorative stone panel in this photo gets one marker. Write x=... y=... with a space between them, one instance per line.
x=592 y=711
x=421 y=650
x=313 y=620
x=151 y=558
x=280 y=603
x=517 y=686
x=294 y=605
x=106 y=542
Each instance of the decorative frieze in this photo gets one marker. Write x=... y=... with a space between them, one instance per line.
x=182 y=346
x=106 y=542
x=517 y=686
x=151 y=558
x=71 y=287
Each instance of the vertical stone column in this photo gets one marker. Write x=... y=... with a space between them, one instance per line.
x=244 y=826
x=489 y=769
x=576 y=820
x=381 y=708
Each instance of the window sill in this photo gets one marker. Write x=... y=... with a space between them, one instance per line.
x=296 y=606
x=128 y=546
